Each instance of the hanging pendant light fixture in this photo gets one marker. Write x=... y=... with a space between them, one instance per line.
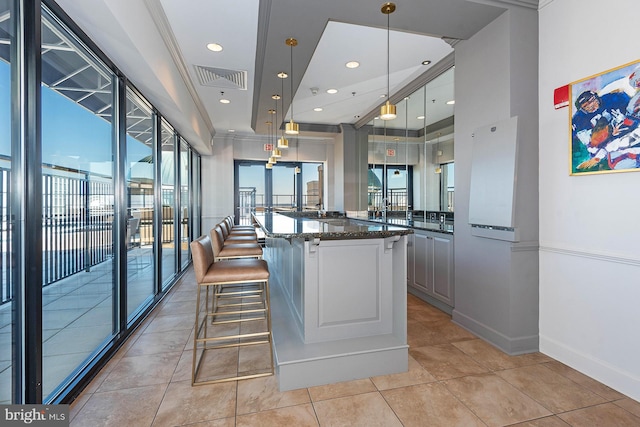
x=292 y=127
x=269 y=164
x=388 y=110
x=282 y=141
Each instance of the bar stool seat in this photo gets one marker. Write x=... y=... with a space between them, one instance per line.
x=240 y=270
x=240 y=294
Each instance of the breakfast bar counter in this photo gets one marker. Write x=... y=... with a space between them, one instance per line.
x=338 y=298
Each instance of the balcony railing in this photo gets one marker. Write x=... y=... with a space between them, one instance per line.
x=77 y=224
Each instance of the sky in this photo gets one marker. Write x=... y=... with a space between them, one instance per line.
x=72 y=136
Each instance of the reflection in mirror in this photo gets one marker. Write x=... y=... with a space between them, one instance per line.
x=416 y=148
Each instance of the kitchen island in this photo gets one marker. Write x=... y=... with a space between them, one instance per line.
x=338 y=298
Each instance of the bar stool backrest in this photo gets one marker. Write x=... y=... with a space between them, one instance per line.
x=224 y=226
x=217 y=239
x=228 y=223
x=202 y=254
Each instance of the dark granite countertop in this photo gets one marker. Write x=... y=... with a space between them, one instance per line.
x=436 y=226
x=330 y=228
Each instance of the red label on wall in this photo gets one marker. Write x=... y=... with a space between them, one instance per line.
x=561 y=97
x=268 y=147
x=391 y=152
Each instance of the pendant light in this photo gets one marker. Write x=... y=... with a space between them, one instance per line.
x=388 y=110
x=276 y=149
x=292 y=127
x=282 y=141
x=271 y=160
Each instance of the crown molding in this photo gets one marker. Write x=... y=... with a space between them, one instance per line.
x=164 y=28
x=529 y=4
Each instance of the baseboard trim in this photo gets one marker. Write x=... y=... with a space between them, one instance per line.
x=511 y=346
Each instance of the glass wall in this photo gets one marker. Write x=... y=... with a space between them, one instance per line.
x=185 y=225
x=168 y=181
x=288 y=186
x=78 y=217
x=196 y=201
x=312 y=186
x=139 y=171
x=283 y=178
x=7 y=289
x=78 y=204
x=250 y=191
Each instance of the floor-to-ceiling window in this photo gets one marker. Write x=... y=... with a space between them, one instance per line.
x=250 y=190
x=287 y=186
x=196 y=200
x=312 y=185
x=168 y=181
x=139 y=172
x=78 y=173
x=78 y=289
x=7 y=289
x=284 y=187
x=185 y=172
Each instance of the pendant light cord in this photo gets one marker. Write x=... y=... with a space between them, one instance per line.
x=388 y=60
x=291 y=82
x=282 y=102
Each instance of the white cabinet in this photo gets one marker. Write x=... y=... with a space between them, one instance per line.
x=430 y=266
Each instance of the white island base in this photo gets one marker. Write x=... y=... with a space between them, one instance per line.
x=338 y=309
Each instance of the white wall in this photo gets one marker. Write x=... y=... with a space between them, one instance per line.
x=589 y=234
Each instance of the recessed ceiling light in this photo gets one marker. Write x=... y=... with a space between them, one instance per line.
x=224 y=101
x=332 y=91
x=420 y=117
x=214 y=47
x=451 y=102
x=231 y=130
x=283 y=75
x=426 y=62
x=384 y=95
x=275 y=96
x=317 y=109
x=352 y=64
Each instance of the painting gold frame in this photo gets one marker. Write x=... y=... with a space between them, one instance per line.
x=604 y=122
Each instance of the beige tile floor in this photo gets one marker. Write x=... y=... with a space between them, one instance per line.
x=454 y=379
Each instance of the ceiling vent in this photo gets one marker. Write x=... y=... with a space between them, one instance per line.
x=222 y=78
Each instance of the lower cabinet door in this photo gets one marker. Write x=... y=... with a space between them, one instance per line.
x=423 y=262
x=443 y=269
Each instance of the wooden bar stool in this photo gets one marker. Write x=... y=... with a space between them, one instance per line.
x=243 y=285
